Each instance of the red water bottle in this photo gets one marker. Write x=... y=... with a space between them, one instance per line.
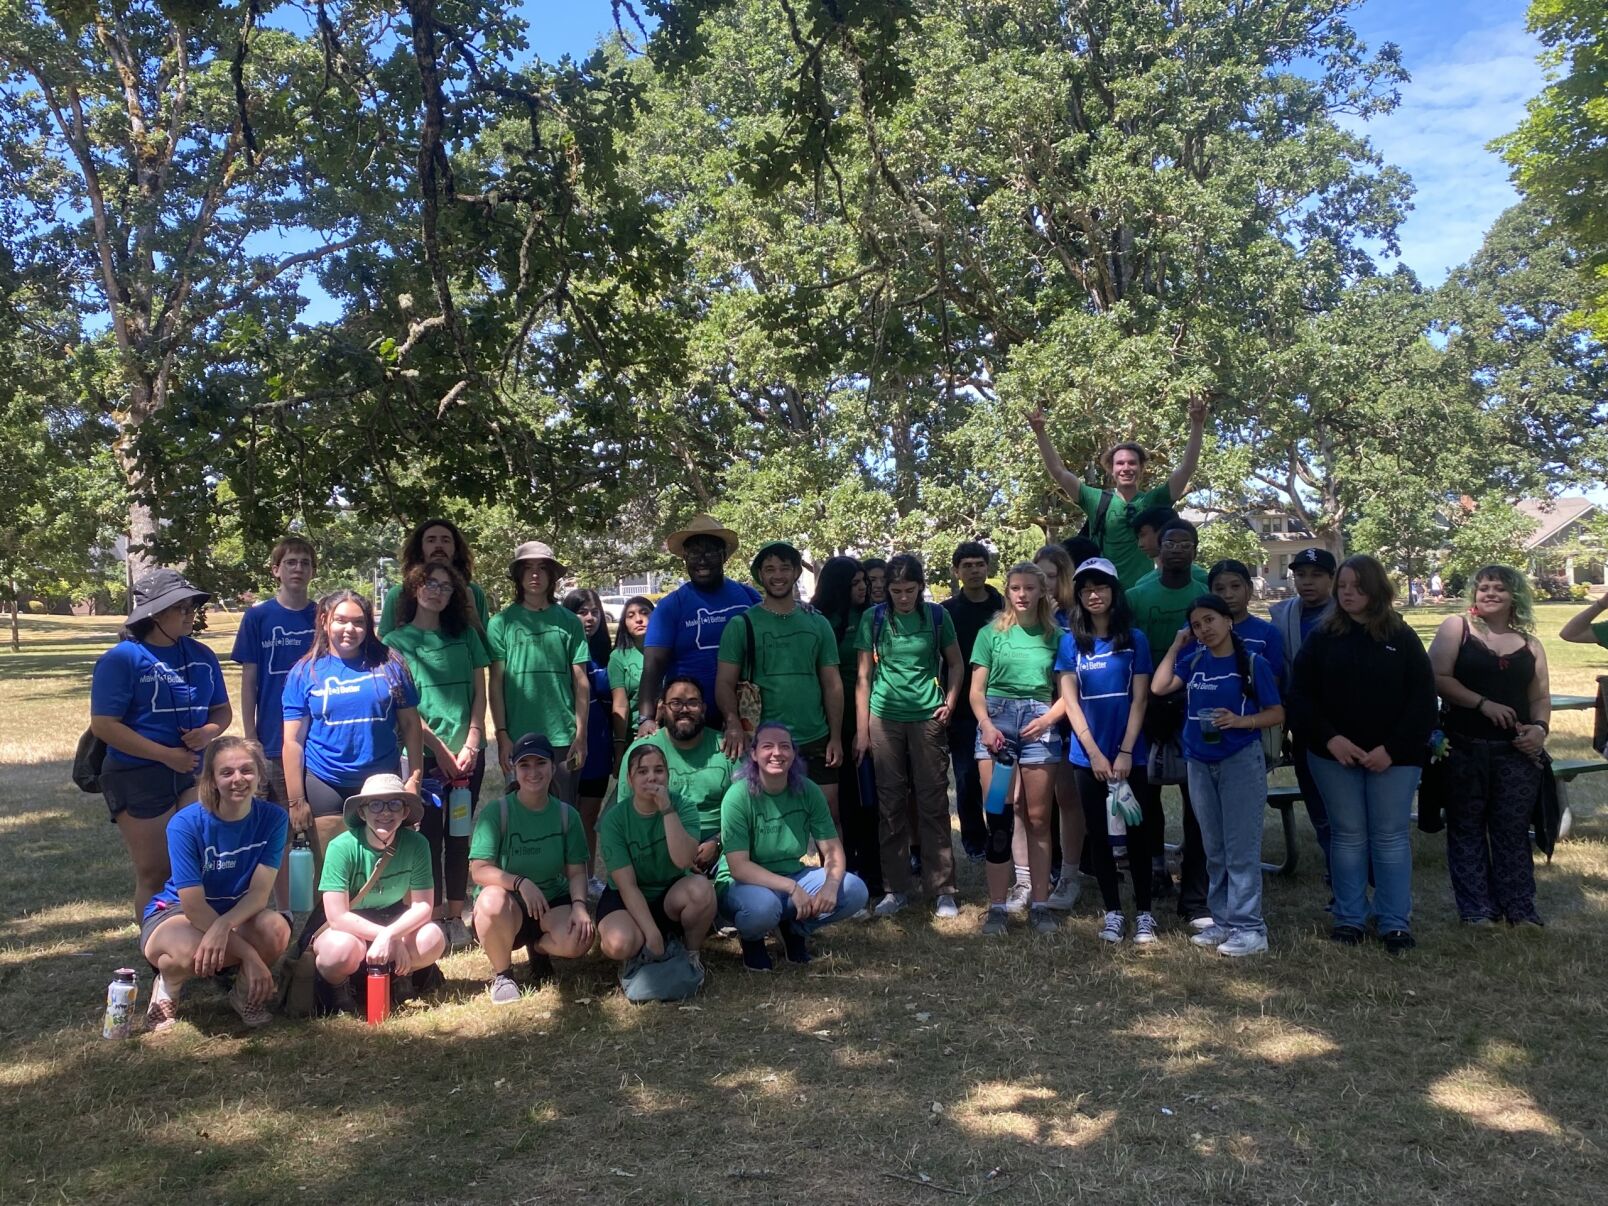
x=379 y=993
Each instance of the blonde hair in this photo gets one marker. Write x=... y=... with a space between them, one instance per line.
x=207 y=787
x=1043 y=614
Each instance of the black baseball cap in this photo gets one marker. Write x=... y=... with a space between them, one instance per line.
x=1322 y=558
x=776 y=548
x=533 y=745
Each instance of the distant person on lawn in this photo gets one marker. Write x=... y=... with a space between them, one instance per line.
x=216 y=909
x=971 y=609
x=1312 y=577
x=156 y=698
x=1124 y=465
x=434 y=542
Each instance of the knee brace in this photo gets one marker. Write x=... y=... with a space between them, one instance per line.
x=1001 y=825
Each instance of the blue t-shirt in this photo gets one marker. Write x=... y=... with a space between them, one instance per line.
x=1262 y=639
x=689 y=621
x=218 y=856
x=1310 y=617
x=159 y=691
x=351 y=714
x=273 y=638
x=1215 y=682
x=599 y=725
x=1105 y=692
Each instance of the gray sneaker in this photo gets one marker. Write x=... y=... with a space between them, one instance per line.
x=503 y=989
x=1016 y=899
x=1111 y=929
x=1065 y=897
x=458 y=936
x=1212 y=935
x=1144 y=929
x=1041 y=921
x=891 y=904
x=946 y=907
x=996 y=923
x=1244 y=942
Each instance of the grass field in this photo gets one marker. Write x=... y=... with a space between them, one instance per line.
x=913 y=1062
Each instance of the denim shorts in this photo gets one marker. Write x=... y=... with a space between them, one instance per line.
x=1009 y=716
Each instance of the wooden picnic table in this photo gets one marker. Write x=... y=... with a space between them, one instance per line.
x=1573 y=703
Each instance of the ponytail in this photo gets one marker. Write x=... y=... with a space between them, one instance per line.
x=1242 y=662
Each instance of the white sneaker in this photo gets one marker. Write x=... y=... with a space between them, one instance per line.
x=1212 y=935
x=1065 y=897
x=1144 y=931
x=1112 y=927
x=1016 y=899
x=946 y=907
x=1203 y=922
x=891 y=904
x=1244 y=942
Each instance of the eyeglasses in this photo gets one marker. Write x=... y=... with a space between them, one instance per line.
x=684 y=705
x=1178 y=544
x=387 y=806
x=436 y=587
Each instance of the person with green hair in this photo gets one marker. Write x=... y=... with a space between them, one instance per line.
x=1491 y=671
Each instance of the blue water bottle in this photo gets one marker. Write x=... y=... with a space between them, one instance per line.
x=999 y=790
x=301 y=876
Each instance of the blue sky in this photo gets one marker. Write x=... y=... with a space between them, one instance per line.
x=1473 y=67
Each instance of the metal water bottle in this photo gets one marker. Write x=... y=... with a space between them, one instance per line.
x=460 y=818
x=301 y=876
x=999 y=789
x=379 y=993
x=121 y=994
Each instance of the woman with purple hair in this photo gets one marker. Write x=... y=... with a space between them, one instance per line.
x=768 y=817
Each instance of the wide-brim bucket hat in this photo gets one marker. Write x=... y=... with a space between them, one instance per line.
x=159 y=589
x=701 y=525
x=384 y=787
x=535 y=550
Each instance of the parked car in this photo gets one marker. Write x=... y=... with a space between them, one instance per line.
x=613 y=607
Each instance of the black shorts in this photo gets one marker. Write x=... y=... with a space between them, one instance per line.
x=612 y=902
x=814 y=755
x=148 y=927
x=592 y=789
x=144 y=792
x=316 y=920
x=530 y=929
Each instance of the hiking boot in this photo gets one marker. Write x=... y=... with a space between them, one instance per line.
x=1398 y=942
x=996 y=923
x=1065 y=897
x=1243 y=942
x=504 y=991
x=795 y=943
x=1111 y=929
x=891 y=904
x=1212 y=935
x=1145 y=929
x=1347 y=935
x=945 y=907
x=755 y=956
x=1041 y=921
x=541 y=967
x=1017 y=898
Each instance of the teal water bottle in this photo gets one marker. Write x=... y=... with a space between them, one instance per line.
x=999 y=789
x=301 y=876
x=459 y=818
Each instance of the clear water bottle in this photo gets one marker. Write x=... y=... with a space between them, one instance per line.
x=121 y=994
x=999 y=789
x=301 y=876
x=460 y=817
x=1209 y=732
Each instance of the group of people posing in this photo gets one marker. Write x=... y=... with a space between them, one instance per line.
x=783 y=765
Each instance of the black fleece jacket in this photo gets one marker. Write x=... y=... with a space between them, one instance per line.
x=1371 y=692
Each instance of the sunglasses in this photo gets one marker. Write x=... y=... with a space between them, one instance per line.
x=379 y=806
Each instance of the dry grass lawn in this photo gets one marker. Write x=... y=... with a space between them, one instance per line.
x=913 y=1062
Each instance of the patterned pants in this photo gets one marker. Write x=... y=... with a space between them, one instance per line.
x=1493 y=791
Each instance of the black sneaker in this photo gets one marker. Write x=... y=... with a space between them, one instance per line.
x=755 y=956
x=427 y=979
x=1347 y=935
x=798 y=947
x=541 y=967
x=1398 y=942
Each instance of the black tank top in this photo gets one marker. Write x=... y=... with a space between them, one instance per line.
x=1502 y=678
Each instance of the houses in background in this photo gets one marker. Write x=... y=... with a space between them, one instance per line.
x=1561 y=543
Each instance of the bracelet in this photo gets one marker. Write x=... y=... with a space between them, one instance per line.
x=1482 y=702
x=1128 y=752
x=1543 y=725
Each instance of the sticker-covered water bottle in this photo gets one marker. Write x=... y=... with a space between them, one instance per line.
x=459 y=815
x=121 y=994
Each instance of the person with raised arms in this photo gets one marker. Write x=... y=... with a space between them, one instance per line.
x=1110 y=509
x=683 y=636
x=649 y=847
x=907 y=684
x=1012 y=688
x=1105 y=666
x=528 y=854
x=971 y=609
x=444 y=649
x=539 y=682
x=1230 y=694
x=771 y=813
x=698 y=768
x=1586 y=627
x=157 y=699
x=625 y=670
x=351 y=710
x=791 y=655
x=215 y=911
x=434 y=542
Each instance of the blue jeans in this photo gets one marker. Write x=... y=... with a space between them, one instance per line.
x=1230 y=798
x=756 y=910
x=1370 y=814
x=1010 y=717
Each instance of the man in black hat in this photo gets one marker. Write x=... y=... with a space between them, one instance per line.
x=791 y=655
x=1312 y=575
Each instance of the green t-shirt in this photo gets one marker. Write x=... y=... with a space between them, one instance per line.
x=625 y=672
x=1018 y=660
x=393 y=600
x=443 y=667
x=1159 y=613
x=629 y=839
x=1600 y=631
x=775 y=830
x=699 y=776
x=789 y=652
x=1196 y=571
x=350 y=860
x=537 y=650
x=906 y=677
x=537 y=845
x=1120 y=544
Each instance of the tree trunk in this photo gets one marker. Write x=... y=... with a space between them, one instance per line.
x=144 y=401
x=16 y=606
